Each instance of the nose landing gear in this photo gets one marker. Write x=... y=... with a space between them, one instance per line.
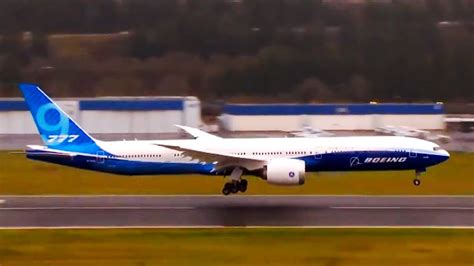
x=417 y=180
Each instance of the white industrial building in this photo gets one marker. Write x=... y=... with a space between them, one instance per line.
x=293 y=117
x=110 y=114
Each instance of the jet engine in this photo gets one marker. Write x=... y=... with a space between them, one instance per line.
x=287 y=172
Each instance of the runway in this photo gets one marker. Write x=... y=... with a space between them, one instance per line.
x=209 y=211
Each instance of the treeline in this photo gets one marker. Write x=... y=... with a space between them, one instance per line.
x=303 y=50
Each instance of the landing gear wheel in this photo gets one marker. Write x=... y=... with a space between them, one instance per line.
x=227 y=189
x=416 y=182
x=235 y=187
x=243 y=185
x=236 y=184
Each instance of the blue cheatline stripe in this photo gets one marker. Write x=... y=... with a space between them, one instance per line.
x=131 y=105
x=17 y=105
x=332 y=109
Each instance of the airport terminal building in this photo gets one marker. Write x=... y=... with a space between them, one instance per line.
x=293 y=117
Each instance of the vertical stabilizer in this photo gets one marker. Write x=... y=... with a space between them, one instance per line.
x=57 y=129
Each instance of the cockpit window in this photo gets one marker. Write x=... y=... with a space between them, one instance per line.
x=436 y=148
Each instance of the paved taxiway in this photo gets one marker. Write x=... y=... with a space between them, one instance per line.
x=130 y=211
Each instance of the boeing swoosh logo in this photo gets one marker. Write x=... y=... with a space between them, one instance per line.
x=354 y=161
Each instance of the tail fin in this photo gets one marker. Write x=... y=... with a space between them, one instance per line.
x=56 y=128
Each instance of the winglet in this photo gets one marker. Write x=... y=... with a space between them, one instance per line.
x=198 y=134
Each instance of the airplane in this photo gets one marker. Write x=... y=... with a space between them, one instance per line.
x=279 y=161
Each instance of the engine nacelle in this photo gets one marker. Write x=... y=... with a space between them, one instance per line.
x=287 y=172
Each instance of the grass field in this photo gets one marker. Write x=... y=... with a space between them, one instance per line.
x=19 y=175
x=238 y=247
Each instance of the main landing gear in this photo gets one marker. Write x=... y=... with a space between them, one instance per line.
x=237 y=184
x=234 y=187
x=417 y=180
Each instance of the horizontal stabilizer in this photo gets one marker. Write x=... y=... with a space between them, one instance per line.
x=51 y=154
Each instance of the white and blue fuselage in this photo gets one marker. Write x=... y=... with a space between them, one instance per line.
x=278 y=160
x=319 y=154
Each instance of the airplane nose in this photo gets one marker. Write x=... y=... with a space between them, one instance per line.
x=444 y=154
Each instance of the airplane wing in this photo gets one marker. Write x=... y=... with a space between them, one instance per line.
x=221 y=160
x=198 y=134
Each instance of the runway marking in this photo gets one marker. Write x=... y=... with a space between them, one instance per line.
x=193 y=208
x=248 y=195
x=235 y=227
x=96 y=208
x=398 y=207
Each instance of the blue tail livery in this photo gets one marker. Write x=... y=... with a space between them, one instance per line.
x=58 y=131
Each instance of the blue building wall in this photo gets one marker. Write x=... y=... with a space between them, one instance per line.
x=107 y=105
x=332 y=109
x=13 y=105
